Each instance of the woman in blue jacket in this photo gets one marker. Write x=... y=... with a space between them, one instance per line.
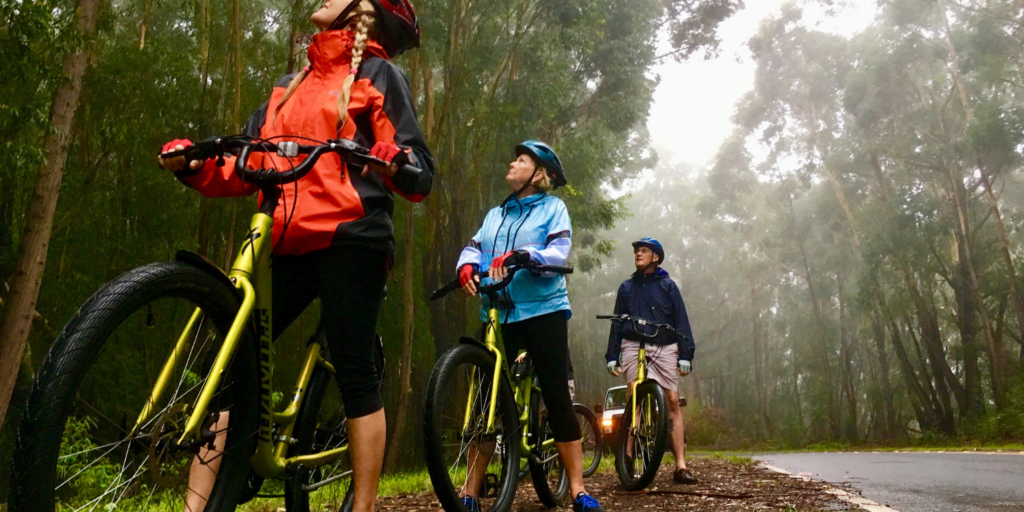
x=531 y=225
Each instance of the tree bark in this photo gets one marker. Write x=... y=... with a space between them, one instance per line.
x=995 y=351
x=409 y=314
x=298 y=10
x=21 y=304
x=878 y=329
x=405 y=362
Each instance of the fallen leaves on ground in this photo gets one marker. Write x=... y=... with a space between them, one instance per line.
x=723 y=486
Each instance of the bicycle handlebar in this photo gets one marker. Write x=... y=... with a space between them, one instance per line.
x=642 y=321
x=534 y=268
x=352 y=153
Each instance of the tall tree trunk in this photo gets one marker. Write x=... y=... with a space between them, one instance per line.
x=298 y=10
x=405 y=362
x=1016 y=294
x=759 y=377
x=409 y=313
x=17 y=318
x=925 y=413
x=819 y=321
x=966 y=322
x=236 y=50
x=995 y=351
x=846 y=360
x=878 y=330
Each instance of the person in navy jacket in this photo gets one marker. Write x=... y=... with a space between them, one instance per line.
x=650 y=294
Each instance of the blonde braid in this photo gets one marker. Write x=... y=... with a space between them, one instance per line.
x=294 y=84
x=364 y=21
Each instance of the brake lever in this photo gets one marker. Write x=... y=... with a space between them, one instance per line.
x=354 y=154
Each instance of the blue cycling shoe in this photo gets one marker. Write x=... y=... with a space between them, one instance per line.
x=586 y=503
x=471 y=503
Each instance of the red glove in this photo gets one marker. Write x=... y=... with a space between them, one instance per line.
x=510 y=258
x=466 y=274
x=384 y=151
x=176 y=142
x=390 y=153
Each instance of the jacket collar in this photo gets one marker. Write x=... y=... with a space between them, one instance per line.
x=657 y=274
x=526 y=201
x=334 y=47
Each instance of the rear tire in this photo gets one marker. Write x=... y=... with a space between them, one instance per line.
x=550 y=479
x=447 y=440
x=641 y=448
x=74 y=447
x=591 y=439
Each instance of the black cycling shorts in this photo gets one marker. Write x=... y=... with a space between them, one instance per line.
x=350 y=282
x=546 y=339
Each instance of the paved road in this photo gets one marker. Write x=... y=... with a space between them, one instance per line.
x=919 y=482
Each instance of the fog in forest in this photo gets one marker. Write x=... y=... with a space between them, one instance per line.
x=838 y=187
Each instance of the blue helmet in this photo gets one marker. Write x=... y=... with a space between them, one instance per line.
x=545 y=157
x=653 y=245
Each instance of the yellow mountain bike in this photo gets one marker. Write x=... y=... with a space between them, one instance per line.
x=643 y=433
x=167 y=371
x=472 y=414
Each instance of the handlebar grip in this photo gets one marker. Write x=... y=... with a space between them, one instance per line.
x=607 y=317
x=408 y=170
x=558 y=269
x=445 y=290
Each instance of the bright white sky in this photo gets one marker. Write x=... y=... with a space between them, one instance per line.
x=694 y=103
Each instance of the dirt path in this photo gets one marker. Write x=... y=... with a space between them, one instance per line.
x=724 y=486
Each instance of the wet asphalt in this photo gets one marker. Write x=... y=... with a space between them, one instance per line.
x=919 y=482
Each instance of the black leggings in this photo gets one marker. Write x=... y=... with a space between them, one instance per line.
x=349 y=281
x=546 y=339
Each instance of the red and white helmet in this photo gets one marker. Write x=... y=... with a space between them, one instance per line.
x=400 y=28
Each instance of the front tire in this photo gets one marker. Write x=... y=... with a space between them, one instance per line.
x=448 y=439
x=77 y=443
x=642 y=447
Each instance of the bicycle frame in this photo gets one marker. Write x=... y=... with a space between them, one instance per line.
x=641 y=377
x=251 y=265
x=494 y=344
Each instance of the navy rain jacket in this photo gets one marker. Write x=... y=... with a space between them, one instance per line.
x=652 y=297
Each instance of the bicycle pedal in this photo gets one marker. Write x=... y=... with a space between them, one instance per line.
x=490 y=484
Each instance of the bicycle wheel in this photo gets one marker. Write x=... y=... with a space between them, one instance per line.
x=320 y=426
x=454 y=431
x=593 y=443
x=641 y=447
x=550 y=479
x=76 y=448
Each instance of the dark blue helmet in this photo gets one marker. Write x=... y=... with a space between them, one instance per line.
x=545 y=157
x=653 y=245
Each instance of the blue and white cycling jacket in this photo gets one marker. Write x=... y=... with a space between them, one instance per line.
x=538 y=224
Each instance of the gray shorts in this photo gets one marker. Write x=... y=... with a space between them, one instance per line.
x=662 y=363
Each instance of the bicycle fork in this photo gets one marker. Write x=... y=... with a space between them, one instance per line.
x=641 y=376
x=489 y=334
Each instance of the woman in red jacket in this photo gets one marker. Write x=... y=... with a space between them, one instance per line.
x=338 y=241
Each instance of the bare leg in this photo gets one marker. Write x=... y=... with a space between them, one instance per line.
x=571 y=454
x=477 y=457
x=367 y=436
x=678 y=429
x=203 y=472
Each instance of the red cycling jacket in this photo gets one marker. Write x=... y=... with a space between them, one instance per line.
x=333 y=205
